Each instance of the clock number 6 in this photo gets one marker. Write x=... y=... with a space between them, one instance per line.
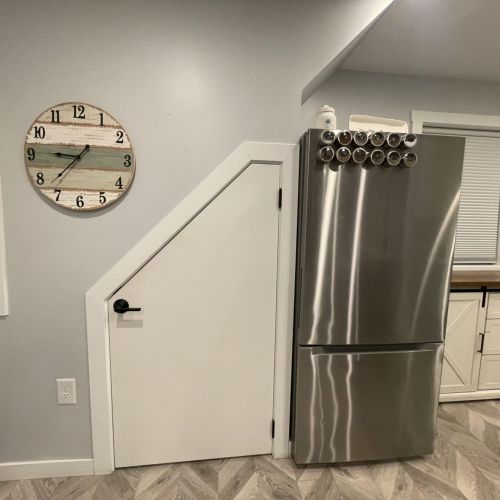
x=79 y=201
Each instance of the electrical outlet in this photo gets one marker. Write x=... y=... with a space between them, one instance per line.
x=66 y=391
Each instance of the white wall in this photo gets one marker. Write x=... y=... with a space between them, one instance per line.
x=189 y=80
x=393 y=96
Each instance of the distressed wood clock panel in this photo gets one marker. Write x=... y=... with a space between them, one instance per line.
x=79 y=156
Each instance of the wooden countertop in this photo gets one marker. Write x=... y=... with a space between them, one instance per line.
x=475 y=279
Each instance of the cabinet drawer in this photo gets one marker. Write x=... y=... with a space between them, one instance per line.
x=493 y=305
x=492 y=337
x=489 y=374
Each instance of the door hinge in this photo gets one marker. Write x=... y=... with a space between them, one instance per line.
x=280 y=197
x=482 y=343
x=272 y=428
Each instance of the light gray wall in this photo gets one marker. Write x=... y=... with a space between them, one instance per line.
x=189 y=80
x=393 y=96
x=447 y=38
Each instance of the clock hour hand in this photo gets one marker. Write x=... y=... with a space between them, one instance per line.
x=74 y=162
x=64 y=155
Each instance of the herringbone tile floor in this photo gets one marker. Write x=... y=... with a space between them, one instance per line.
x=466 y=464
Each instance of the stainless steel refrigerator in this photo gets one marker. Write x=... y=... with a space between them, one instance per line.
x=375 y=249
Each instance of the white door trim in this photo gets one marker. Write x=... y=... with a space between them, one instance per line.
x=96 y=297
x=13 y=471
x=419 y=119
x=4 y=303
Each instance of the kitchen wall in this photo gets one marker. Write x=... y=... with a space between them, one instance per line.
x=189 y=80
x=393 y=96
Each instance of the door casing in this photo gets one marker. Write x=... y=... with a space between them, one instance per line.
x=285 y=155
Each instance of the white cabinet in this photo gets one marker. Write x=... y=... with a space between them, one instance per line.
x=492 y=337
x=493 y=305
x=471 y=366
x=461 y=357
x=489 y=375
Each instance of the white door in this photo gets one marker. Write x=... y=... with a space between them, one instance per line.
x=461 y=362
x=192 y=373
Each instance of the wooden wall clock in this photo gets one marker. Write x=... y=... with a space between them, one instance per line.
x=79 y=156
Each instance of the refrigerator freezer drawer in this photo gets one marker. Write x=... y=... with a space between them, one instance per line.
x=356 y=406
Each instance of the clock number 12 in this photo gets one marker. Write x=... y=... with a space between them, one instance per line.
x=79 y=112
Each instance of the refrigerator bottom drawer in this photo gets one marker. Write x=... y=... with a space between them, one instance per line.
x=356 y=406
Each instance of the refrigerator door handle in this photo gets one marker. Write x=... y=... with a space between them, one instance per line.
x=380 y=349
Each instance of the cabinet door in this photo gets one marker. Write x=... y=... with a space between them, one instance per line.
x=489 y=373
x=489 y=376
x=461 y=362
x=492 y=337
x=493 y=305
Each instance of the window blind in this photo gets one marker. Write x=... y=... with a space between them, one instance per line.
x=477 y=228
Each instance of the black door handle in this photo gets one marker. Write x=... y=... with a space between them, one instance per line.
x=121 y=306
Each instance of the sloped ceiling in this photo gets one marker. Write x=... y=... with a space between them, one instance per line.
x=434 y=38
x=342 y=33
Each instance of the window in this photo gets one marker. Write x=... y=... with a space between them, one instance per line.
x=478 y=217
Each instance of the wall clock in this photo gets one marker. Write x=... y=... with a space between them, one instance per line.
x=79 y=156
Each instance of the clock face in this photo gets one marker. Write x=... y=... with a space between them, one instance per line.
x=79 y=156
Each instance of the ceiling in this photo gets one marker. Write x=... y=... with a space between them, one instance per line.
x=438 y=38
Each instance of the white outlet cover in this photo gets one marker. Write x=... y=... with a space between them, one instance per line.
x=66 y=391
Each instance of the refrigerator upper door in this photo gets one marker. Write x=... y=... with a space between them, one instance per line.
x=353 y=406
x=376 y=246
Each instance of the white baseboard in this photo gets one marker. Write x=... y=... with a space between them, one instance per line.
x=469 y=396
x=46 y=468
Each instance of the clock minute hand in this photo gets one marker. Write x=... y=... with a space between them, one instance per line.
x=86 y=149
x=74 y=162
x=60 y=174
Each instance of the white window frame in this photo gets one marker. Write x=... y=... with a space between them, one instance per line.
x=4 y=302
x=419 y=119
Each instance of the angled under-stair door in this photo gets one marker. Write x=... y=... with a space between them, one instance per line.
x=192 y=372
